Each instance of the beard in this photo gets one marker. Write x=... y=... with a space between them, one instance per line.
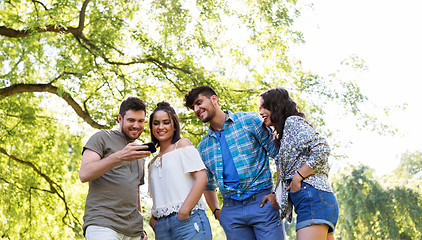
x=129 y=136
x=210 y=114
x=207 y=119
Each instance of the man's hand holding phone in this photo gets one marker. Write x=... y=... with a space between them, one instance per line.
x=134 y=151
x=151 y=147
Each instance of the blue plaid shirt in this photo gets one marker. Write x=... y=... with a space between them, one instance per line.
x=251 y=144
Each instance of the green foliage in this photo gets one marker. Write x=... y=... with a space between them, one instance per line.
x=89 y=55
x=39 y=157
x=370 y=211
x=410 y=166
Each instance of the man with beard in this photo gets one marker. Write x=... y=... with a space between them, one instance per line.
x=113 y=164
x=236 y=152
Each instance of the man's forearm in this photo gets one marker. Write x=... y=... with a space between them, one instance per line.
x=93 y=167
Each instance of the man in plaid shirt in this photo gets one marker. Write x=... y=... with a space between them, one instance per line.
x=236 y=152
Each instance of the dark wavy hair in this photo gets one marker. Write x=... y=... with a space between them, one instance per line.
x=192 y=95
x=281 y=106
x=165 y=106
x=132 y=103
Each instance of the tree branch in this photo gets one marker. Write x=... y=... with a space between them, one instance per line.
x=21 y=88
x=92 y=47
x=245 y=90
x=42 y=4
x=195 y=134
x=168 y=79
x=151 y=60
x=82 y=15
x=54 y=187
x=10 y=32
x=77 y=32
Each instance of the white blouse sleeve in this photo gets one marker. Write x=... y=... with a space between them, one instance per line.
x=191 y=160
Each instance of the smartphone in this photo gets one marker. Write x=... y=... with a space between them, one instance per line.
x=151 y=147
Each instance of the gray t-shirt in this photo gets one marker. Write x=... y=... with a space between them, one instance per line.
x=112 y=198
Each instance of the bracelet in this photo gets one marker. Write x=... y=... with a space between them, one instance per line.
x=300 y=175
x=213 y=212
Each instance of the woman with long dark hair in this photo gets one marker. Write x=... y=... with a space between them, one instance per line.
x=177 y=179
x=303 y=167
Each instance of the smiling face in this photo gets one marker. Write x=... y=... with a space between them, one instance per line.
x=162 y=126
x=204 y=107
x=132 y=124
x=265 y=113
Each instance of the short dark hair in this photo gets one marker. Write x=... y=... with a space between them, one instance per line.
x=194 y=92
x=165 y=106
x=132 y=103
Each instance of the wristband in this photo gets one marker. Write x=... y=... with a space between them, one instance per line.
x=300 y=175
x=213 y=212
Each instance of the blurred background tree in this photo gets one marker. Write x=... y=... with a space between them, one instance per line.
x=386 y=208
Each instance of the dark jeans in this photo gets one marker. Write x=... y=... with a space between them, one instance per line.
x=247 y=220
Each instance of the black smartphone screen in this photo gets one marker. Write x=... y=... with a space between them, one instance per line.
x=151 y=147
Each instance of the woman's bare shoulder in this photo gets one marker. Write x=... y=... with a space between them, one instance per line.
x=184 y=142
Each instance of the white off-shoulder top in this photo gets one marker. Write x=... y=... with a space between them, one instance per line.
x=170 y=180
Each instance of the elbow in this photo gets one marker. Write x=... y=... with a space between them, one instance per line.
x=204 y=185
x=83 y=180
x=203 y=178
x=83 y=177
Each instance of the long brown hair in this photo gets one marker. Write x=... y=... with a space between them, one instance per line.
x=281 y=106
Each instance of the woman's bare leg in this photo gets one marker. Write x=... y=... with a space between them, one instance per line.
x=314 y=232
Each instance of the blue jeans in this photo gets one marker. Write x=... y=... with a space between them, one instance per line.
x=196 y=226
x=247 y=220
x=314 y=206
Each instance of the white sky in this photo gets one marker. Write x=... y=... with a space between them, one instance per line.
x=387 y=35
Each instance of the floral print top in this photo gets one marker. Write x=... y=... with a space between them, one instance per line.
x=302 y=144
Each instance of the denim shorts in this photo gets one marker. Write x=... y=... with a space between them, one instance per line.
x=314 y=206
x=196 y=226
